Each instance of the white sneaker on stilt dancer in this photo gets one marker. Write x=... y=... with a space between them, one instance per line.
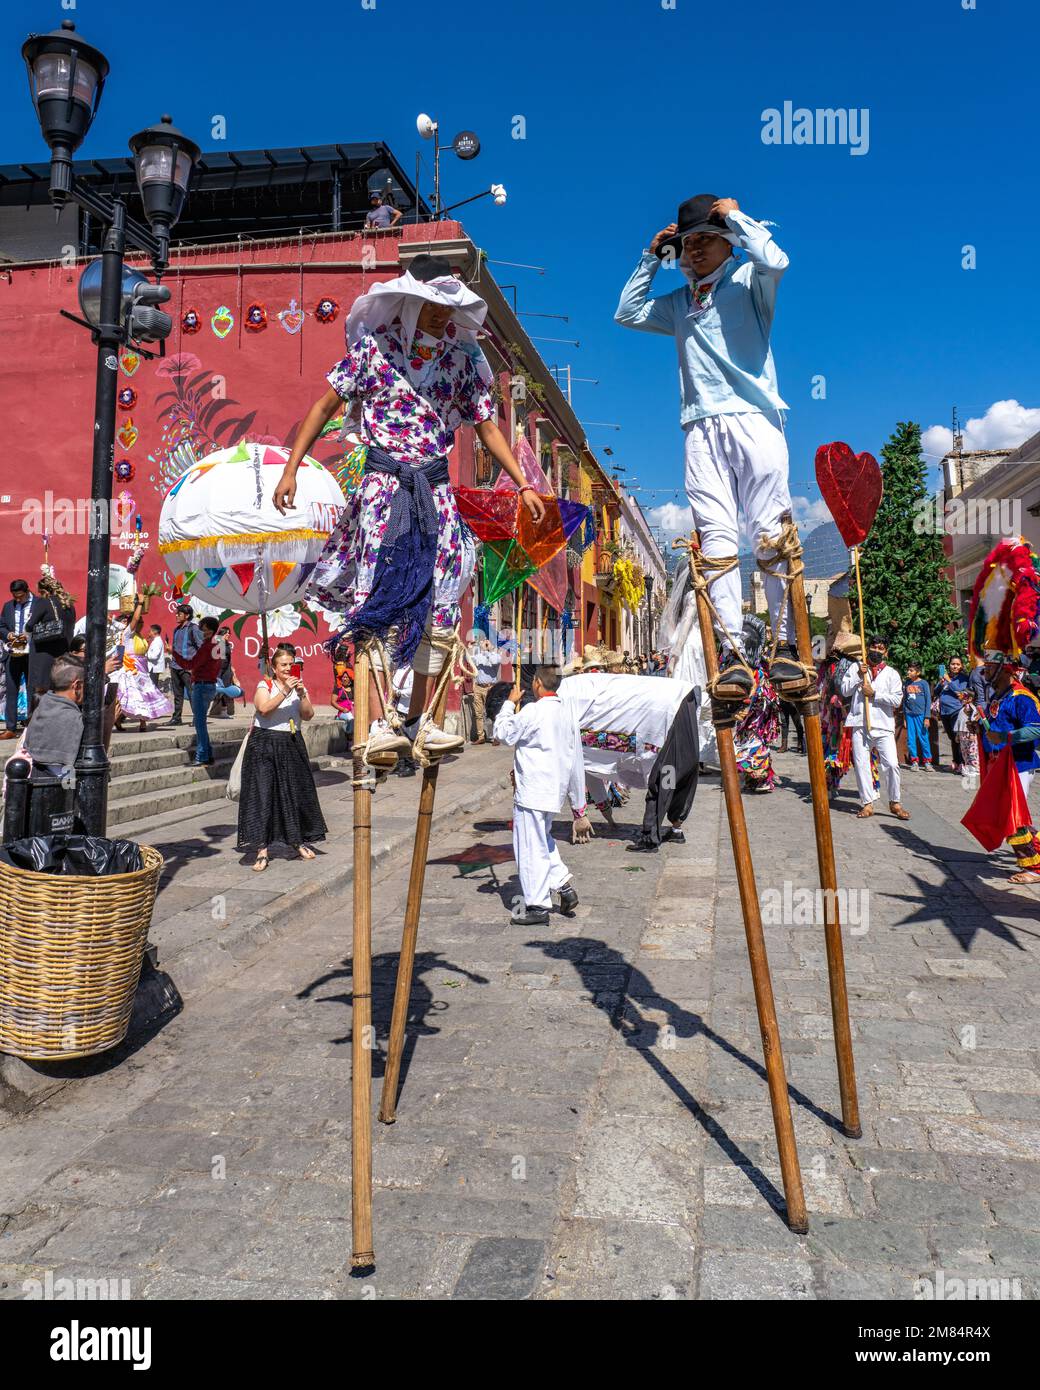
x=384 y=745
x=430 y=742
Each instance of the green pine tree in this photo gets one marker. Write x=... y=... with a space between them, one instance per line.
x=906 y=595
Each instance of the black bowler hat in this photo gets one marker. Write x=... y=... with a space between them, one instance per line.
x=425 y=267
x=694 y=216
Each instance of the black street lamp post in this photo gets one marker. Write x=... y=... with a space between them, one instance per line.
x=66 y=78
x=648 y=580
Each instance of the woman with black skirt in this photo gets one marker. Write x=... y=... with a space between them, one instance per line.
x=278 y=802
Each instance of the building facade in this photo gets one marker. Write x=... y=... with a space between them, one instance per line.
x=218 y=382
x=639 y=621
x=986 y=496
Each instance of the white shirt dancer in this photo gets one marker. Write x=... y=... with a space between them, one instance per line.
x=883 y=688
x=632 y=728
x=547 y=769
x=624 y=721
x=736 y=454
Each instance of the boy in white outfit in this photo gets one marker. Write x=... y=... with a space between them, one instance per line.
x=547 y=768
x=878 y=689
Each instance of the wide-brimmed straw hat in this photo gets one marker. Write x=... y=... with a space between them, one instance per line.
x=848 y=644
x=590 y=657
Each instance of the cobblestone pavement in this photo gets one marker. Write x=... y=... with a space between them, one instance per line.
x=583 y=1111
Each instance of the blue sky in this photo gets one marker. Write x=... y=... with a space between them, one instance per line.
x=631 y=107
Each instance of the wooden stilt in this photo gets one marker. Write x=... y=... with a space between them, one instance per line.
x=363 y=1255
x=264 y=639
x=797 y=1217
x=862 y=630
x=813 y=737
x=413 y=909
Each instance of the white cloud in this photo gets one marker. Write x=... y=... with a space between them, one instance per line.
x=672 y=519
x=675 y=520
x=1005 y=425
x=809 y=515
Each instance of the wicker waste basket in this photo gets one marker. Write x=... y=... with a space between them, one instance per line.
x=71 y=947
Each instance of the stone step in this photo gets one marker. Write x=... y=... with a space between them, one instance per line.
x=127 y=764
x=172 y=800
x=163 y=740
x=138 y=783
x=159 y=739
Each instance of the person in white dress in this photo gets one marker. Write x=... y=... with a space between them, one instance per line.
x=547 y=770
x=876 y=692
x=679 y=634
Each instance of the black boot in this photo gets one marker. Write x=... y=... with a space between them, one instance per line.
x=786 y=671
x=568 y=900
x=643 y=845
x=734 y=679
x=524 y=916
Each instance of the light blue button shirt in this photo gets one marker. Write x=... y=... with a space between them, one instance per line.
x=725 y=363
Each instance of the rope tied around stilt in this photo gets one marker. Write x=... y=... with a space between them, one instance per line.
x=456 y=668
x=719 y=565
x=383 y=680
x=786 y=550
x=368 y=645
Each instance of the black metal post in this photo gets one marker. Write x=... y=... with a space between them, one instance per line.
x=92 y=764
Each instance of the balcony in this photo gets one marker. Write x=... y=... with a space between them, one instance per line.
x=603 y=566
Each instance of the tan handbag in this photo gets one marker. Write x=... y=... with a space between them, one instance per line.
x=234 y=785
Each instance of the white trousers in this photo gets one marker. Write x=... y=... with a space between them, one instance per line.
x=885 y=744
x=538 y=861
x=734 y=464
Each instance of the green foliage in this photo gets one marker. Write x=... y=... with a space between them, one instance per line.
x=817 y=626
x=906 y=594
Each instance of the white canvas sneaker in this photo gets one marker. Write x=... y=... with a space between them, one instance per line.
x=384 y=744
x=434 y=742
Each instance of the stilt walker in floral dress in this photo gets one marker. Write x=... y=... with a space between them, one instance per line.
x=398 y=561
x=395 y=567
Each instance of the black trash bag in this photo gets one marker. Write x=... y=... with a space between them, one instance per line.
x=73 y=854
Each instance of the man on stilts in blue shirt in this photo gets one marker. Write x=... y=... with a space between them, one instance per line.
x=736 y=453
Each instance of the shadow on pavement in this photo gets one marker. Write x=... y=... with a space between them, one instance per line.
x=626 y=1018
x=421 y=1002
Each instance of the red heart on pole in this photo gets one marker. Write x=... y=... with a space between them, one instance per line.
x=851 y=486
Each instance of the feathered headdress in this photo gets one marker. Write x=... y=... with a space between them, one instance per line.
x=1005 y=604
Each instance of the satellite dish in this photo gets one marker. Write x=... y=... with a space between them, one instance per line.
x=425 y=126
x=498 y=193
x=466 y=145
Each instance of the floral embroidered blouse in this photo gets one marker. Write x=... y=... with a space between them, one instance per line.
x=412 y=423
